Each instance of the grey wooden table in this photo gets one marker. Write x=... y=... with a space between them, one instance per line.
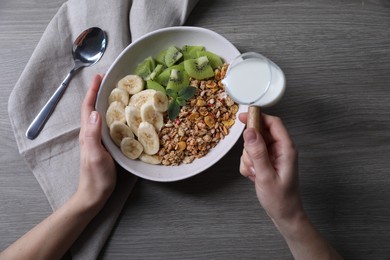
x=336 y=57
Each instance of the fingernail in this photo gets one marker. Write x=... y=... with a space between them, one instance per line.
x=93 y=117
x=252 y=170
x=250 y=136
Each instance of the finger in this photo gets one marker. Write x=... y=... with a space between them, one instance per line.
x=248 y=162
x=92 y=132
x=257 y=151
x=245 y=170
x=89 y=101
x=276 y=128
x=279 y=139
x=243 y=117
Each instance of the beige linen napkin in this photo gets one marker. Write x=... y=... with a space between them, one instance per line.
x=54 y=155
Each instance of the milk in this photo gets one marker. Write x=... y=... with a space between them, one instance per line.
x=253 y=79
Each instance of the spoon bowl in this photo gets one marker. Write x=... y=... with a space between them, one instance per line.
x=89 y=46
x=87 y=49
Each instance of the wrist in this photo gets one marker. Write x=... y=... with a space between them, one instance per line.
x=85 y=204
x=304 y=240
x=292 y=227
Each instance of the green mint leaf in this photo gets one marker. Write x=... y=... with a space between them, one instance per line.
x=187 y=92
x=173 y=109
x=181 y=101
x=171 y=93
x=178 y=100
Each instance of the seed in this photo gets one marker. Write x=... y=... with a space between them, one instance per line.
x=218 y=114
x=217 y=74
x=207 y=138
x=180 y=132
x=225 y=116
x=225 y=131
x=201 y=124
x=229 y=101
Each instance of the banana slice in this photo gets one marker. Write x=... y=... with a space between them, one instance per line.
x=150 y=115
x=131 y=148
x=160 y=101
x=150 y=159
x=148 y=137
x=115 y=112
x=133 y=118
x=132 y=84
x=118 y=131
x=119 y=94
x=141 y=98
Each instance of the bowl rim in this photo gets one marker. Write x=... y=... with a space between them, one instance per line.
x=112 y=67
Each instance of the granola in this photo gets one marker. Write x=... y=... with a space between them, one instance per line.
x=202 y=122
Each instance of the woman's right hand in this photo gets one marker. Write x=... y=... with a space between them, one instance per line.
x=271 y=162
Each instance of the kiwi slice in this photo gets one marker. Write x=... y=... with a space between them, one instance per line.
x=157 y=70
x=163 y=77
x=178 y=80
x=150 y=84
x=145 y=68
x=214 y=59
x=190 y=51
x=160 y=58
x=172 y=55
x=199 y=68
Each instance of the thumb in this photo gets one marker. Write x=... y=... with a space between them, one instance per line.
x=92 y=133
x=257 y=150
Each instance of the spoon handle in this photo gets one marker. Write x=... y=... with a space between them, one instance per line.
x=254 y=118
x=40 y=120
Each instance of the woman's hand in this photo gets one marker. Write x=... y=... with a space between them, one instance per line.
x=51 y=238
x=97 y=168
x=270 y=161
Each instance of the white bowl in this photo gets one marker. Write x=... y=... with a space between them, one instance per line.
x=150 y=45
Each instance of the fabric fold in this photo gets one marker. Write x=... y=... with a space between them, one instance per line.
x=53 y=156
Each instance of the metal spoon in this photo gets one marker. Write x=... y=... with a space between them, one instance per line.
x=87 y=49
